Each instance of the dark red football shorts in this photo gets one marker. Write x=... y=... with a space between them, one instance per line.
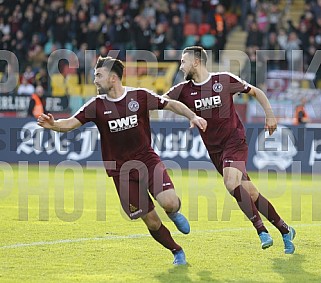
x=138 y=180
x=233 y=155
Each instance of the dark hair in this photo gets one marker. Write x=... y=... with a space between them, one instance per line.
x=198 y=52
x=111 y=64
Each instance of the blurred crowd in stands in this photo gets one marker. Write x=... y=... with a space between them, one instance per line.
x=271 y=28
x=33 y=29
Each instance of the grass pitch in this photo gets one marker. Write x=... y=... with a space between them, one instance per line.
x=66 y=225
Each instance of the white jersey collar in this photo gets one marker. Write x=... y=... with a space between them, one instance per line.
x=204 y=82
x=118 y=98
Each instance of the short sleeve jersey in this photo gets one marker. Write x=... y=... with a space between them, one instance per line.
x=213 y=100
x=123 y=124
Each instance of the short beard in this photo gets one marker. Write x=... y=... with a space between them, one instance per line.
x=189 y=76
x=103 y=90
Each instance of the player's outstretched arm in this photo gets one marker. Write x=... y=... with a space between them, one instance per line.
x=270 y=120
x=61 y=125
x=181 y=109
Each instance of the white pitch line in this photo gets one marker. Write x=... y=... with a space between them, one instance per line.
x=133 y=236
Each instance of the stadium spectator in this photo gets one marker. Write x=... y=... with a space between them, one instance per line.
x=37 y=103
x=15 y=20
x=293 y=52
x=9 y=81
x=219 y=29
x=176 y=34
x=262 y=19
x=225 y=137
x=42 y=79
x=275 y=18
x=272 y=45
x=149 y=12
x=174 y=11
x=60 y=31
x=137 y=169
x=254 y=37
x=195 y=11
x=25 y=87
x=84 y=59
x=19 y=47
x=159 y=42
x=142 y=33
x=29 y=24
x=133 y=8
x=120 y=35
x=282 y=38
x=37 y=57
x=44 y=26
x=301 y=116
x=162 y=11
x=29 y=75
x=58 y=24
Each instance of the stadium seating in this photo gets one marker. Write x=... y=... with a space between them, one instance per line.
x=208 y=41
x=73 y=87
x=204 y=28
x=189 y=41
x=58 y=85
x=89 y=90
x=190 y=29
x=147 y=82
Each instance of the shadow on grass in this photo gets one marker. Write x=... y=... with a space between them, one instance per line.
x=291 y=269
x=180 y=274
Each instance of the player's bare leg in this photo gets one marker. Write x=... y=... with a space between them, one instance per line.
x=162 y=235
x=267 y=209
x=232 y=180
x=171 y=203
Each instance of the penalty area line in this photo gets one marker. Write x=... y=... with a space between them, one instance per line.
x=133 y=236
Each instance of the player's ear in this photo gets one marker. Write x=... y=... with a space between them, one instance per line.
x=196 y=62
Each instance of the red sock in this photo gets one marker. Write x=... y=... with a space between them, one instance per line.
x=267 y=209
x=247 y=205
x=163 y=236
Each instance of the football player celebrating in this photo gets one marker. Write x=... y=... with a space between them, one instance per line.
x=121 y=114
x=210 y=95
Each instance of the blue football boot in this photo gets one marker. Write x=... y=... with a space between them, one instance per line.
x=287 y=240
x=179 y=258
x=180 y=222
x=266 y=240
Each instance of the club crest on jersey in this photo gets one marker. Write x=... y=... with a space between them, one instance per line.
x=217 y=87
x=133 y=106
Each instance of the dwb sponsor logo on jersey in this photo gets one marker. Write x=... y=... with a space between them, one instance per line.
x=208 y=102
x=122 y=124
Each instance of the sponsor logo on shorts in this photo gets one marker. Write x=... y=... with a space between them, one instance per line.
x=135 y=213
x=124 y=123
x=107 y=112
x=166 y=184
x=134 y=210
x=194 y=93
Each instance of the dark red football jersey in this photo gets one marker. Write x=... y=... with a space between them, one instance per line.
x=213 y=100
x=123 y=124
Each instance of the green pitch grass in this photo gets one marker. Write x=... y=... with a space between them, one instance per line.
x=75 y=231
